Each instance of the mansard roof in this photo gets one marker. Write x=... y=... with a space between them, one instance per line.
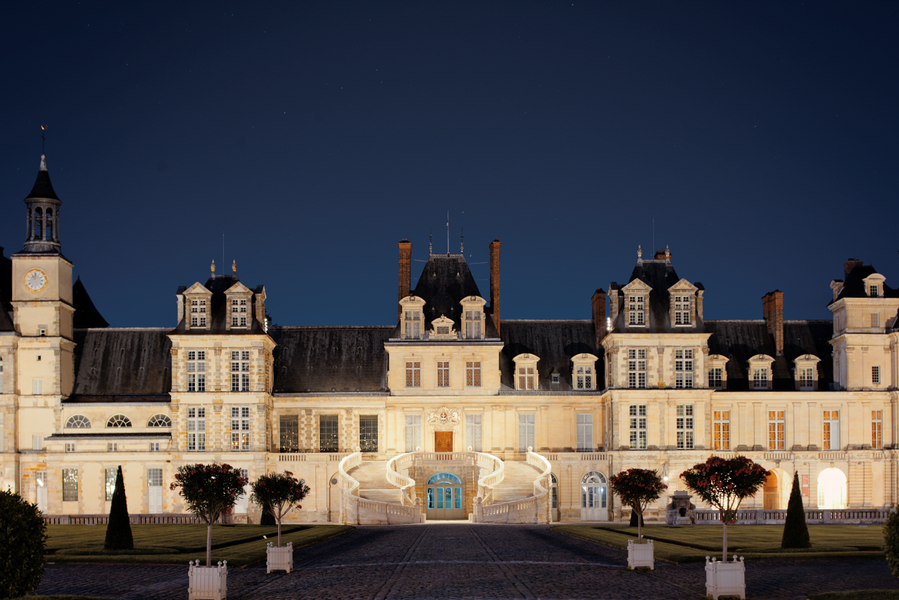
x=122 y=365
x=741 y=340
x=218 y=309
x=444 y=282
x=86 y=314
x=555 y=342
x=660 y=276
x=854 y=287
x=330 y=359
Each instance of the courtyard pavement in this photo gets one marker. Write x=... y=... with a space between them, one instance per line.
x=466 y=561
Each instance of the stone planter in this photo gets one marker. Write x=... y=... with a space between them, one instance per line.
x=279 y=558
x=725 y=578
x=207 y=583
x=640 y=555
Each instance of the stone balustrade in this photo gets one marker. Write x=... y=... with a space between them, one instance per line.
x=813 y=516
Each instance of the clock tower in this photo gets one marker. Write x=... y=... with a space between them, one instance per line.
x=43 y=310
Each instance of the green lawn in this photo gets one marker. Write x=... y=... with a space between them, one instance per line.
x=168 y=544
x=694 y=543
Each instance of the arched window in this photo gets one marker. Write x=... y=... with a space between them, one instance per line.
x=118 y=421
x=78 y=422
x=594 y=497
x=832 y=489
x=49 y=227
x=38 y=223
x=444 y=477
x=159 y=421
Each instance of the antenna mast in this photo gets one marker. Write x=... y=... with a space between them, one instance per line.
x=447 y=233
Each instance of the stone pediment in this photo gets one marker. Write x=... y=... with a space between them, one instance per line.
x=444 y=419
x=442 y=329
x=238 y=288
x=683 y=286
x=637 y=286
x=197 y=288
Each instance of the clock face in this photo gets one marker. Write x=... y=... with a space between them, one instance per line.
x=35 y=280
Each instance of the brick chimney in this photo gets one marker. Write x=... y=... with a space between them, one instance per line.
x=773 y=309
x=405 y=280
x=599 y=315
x=851 y=264
x=494 y=281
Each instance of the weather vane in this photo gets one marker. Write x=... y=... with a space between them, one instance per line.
x=43 y=139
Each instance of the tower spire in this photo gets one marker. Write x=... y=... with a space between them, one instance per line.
x=42 y=215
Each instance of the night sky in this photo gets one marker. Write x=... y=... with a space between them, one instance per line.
x=757 y=140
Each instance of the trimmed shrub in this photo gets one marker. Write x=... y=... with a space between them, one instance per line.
x=118 y=530
x=278 y=494
x=795 y=529
x=22 y=551
x=891 y=542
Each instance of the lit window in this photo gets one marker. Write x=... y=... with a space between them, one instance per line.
x=721 y=430
x=196 y=429
x=413 y=373
x=327 y=433
x=683 y=367
x=240 y=428
x=684 y=426
x=585 y=433
x=196 y=371
x=78 y=422
x=70 y=485
x=636 y=368
x=368 y=433
x=118 y=421
x=638 y=426
x=875 y=375
x=473 y=373
x=775 y=430
x=831 y=430
x=876 y=429
x=636 y=310
x=682 y=310
x=716 y=377
x=442 y=373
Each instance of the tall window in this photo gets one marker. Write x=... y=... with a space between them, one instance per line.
x=636 y=368
x=238 y=312
x=638 y=426
x=443 y=373
x=526 y=378
x=289 y=433
x=683 y=367
x=525 y=432
x=684 y=426
x=806 y=378
x=584 y=377
x=760 y=378
x=585 y=433
x=876 y=429
x=473 y=373
x=328 y=436
x=413 y=432
x=875 y=319
x=110 y=483
x=198 y=313
x=240 y=428
x=196 y=371
x=831 y=430
x=875 y=375
x=721 y=430
x=70 y=485
x=240 y=370
x=413 y=324
x=472 y=324
x=681 y=310
x=775 y=430
x=37 y=387
x=636 y=310
x=196 y=430
x=413 y=373
x=368 y=433
x=473 y=431
x=716 y=377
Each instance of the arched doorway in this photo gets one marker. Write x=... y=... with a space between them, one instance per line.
x=772 y=492
x=554 y=491
x=832 y=489
x=594 y=497
x=444 y=493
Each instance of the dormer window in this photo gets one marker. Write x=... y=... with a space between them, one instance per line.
x=198 y=313
x=526 y=377
x=874 y=285
x=238 y=312
x=473 y=317
x=873 y=291
x=583 y=374
x=682 y=310
x=760 y=372
x=636 y=311
x=413 y=324
x=717 y=371
x=442 y=329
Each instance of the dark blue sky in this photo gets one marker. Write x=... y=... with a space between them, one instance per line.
x=759 y=137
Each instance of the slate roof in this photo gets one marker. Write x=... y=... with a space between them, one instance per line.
x=6 y=323
x=330 y=359
x=218 y=311
x=122 y=365
x=741 y=340
x=42 y=186
x=86 y=314
x=554 y=342
x=658 y=274
x=854 y=286
x=444 y=282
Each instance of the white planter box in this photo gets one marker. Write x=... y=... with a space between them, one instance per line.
x=725 y=578
x=640 y=555
x=279 y=558
x=207 y=583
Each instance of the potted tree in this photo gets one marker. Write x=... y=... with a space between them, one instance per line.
x=278 y=494
x=209 y=491
x=637 y=488
x=724 y=484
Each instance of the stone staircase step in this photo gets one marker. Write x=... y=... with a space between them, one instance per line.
x=393 y=496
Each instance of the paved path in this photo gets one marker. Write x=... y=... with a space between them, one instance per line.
x=466 y=561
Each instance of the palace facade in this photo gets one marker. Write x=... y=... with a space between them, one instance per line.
x=645 y=382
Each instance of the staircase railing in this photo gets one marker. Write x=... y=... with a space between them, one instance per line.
x=496 y=472
x=406 y=484
x=363 y=511
x=349 y=488
x=535 y=509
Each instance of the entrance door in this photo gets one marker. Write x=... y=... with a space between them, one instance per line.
x=445 y=499
x=594 y=497
x=443 y=441
x=154 y=491
x=41 y=480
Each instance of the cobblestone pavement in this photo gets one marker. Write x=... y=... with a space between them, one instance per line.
x=466 y=561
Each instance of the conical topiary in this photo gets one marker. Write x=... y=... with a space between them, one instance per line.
x=795 y=529
x=118 y=531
